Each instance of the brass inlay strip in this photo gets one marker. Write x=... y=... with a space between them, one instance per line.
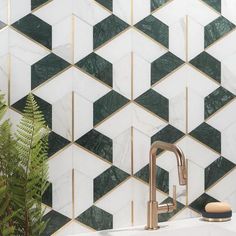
x=9 y=80
x=100 y=5
x=8 y=12
x=73 y=39
x=73 y=193
x=132 y=213
x=42 y=5
x=166 y=3
x=132 y=76
x=211 y=8
x=186 y=38
x=132 y=12
x=72 y=115
x=187 y=185
x=132 y=150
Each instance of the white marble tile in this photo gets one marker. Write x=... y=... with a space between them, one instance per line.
x=227 y=11
x=3 y=11
x=62 y=117
x=177 y=38
x=89 y=11
x=150 y=50
x=141 y=75
x=122 y=151
x=223 y=189
x=25 y=49
x=122 y=76
x=223 y=119
x=83 y=43
x=62 y=194
x=62 y=43
x=20 y=73
x=4 y=38
x=83 y=116
x=4 y=74
x=88 y=87
x=73 y=228
x=19 y=9
x=196 y=152
x=195 y=31
x=141 y=147
x=196 y=179
x=186 y=213
x=177 y=9
x=14 y=117
x=228 y=139
x=122 y=9
x=141 y=9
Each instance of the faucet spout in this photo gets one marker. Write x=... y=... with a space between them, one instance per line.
x=153 y=207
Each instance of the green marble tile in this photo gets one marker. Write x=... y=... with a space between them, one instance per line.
x=217 y=99
x=96 y=218
x=106 y=3
x=55 y=222
x=166 y=216
x=208 y=64
x=216 y=4
x=107 y=29
x=155 y=29
x=107 y=105
x=216 y=170
x=37 y=3
x=2 y=25
x=56 y=143
x=108 y=180
x=208 y=135
x=162 y=177
x=163 y=65
x=168 y=134
x=200 y=203
x=97 y=143
x=46 y=68
x=157 y=3
x=47 y=196
x=155 y=103
x=97 y=67
x=216 y=29
x=44 y=106
x=36 y=29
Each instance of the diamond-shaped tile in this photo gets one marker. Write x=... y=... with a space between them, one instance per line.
x=97 y=67
x=106 y=105
x=107 y=29
x=200 y=203
x=106 y=3
x=216 y=29
x=208 y=64
x=55 y=222
x=155 y=29
x=36 y=29
x=97 y=143
x=37 y=3
x=155 y=103
x=166 y=216
x=44 y=106
x=56 y=143
x=47 y=196
x=216 y=100
x=169 y=134
x=216 y=170
x=108 y=180
x=216 y=4
x=162 y=177
x=96 y=218
x=163 y=65
x=208 y=135
x=46 y=68
x=2 y=25
x=157 y=3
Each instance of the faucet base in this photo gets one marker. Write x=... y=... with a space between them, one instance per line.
x=148 y=228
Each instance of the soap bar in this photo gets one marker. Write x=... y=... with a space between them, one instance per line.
x=217 y=207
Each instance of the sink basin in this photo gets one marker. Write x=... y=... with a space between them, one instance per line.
x=188 y=227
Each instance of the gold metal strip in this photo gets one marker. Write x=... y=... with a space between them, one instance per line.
x=73 y=193
x=73 y=39
x=72 y=116
x=211 y=8
x=132 y=150
x=44 y=4
x=8 y=12
x=100 y=5
x=186 y=110
x=186 y=38
x=132 y=76
x=9 y=80
x=132 y=213
x=187 y=185
x=161 y=6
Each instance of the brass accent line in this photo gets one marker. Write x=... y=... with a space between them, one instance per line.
x=9 y=12
x=186 y=38
x=73 y=39
x=187 y=185
x=100 y=5
x=132 y=150
x=72 y=115
x=44 y=4
x=9 y=80
x=132 y=213
x=132 y=76
x=73 y=193
x=162 y=6
x=132 y=12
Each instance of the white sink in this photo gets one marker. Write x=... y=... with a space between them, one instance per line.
x=188 y=227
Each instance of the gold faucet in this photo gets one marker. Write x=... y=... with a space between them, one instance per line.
x=153 y=209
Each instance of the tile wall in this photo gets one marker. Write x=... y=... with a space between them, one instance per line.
x=113 y=76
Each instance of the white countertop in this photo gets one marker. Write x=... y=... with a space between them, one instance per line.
x=193 y=226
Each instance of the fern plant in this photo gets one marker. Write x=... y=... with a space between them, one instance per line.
x=26 y=173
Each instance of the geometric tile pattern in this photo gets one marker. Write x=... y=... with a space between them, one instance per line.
x=111 y=78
